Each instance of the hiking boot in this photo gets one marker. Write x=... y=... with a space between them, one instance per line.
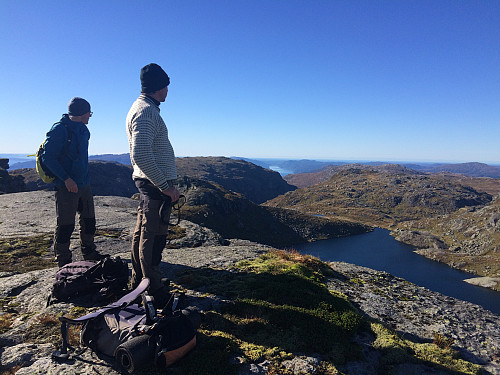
x=63 y=261
x=95 y=255
x=62 y=254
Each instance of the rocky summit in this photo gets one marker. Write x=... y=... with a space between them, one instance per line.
x=8 y=183
x=256 y=183
x=415 y=316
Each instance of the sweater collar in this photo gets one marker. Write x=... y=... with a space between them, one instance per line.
x=156 y=102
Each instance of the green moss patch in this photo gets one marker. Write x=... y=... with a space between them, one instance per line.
x=279 y=306
x=113 y=233
x=396 y=351
x=25 y=254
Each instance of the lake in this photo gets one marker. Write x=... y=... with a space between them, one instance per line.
x=380 y=251
x=281 y=171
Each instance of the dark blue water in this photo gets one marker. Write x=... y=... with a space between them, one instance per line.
x=380 y=251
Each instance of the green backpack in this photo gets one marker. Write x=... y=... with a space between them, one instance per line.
x=43 y=171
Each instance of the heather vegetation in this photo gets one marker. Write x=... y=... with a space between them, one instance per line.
x=381 y=198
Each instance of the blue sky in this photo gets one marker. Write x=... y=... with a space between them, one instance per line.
x=349 y=80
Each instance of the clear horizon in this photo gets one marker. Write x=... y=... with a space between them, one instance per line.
x=351 y=80
x=24 y=156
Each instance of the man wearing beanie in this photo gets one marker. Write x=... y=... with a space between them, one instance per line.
x=66 y=155
x=154 y=173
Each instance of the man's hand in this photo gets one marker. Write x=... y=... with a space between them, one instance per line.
x=172 y=192
x=72 y=186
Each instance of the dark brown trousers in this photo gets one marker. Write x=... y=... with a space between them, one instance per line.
x=150 y=236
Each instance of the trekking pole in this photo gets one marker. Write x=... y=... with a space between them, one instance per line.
x=62 y=355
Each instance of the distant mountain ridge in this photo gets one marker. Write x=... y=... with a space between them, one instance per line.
x=302 y=180
x=117 y=158
x=473 y=169
x=114 y=178
x=468 y=169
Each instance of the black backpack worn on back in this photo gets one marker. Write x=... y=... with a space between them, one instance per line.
x=101 y=281
x=135 y=335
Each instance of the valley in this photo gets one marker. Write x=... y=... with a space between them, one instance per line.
x=449 y=217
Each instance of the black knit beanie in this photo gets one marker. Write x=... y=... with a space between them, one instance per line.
x=78 y=106
x=153 y=78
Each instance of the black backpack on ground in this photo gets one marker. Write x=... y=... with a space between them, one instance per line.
x=135 y=335
x=98 y=281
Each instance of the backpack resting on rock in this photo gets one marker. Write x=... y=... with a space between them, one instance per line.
x=135 y=335
x=101 y=281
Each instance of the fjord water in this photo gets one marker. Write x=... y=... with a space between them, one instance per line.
x=380 y=251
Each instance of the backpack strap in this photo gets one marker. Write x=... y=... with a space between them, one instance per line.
x=120 y=304
x=69 y=139
x=69 y=135
x=62 y=355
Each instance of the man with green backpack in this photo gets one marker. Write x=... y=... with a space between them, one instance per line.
x=65 y=155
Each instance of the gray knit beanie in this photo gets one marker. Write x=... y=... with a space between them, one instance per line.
x=78 y=106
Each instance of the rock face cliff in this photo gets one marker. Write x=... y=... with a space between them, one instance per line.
x=29 y=331
x=234 y=216
x=255 y=183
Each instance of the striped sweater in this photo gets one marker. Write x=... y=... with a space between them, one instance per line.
x=151 y=153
